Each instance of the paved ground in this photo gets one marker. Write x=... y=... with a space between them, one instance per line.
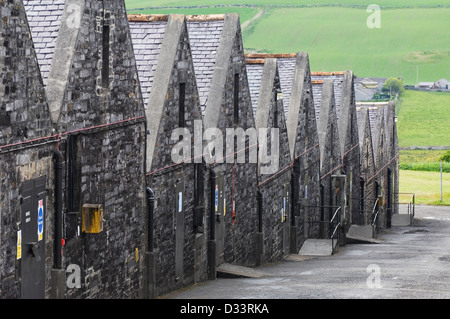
x=414 y=262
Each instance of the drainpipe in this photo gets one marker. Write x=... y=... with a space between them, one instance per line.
x=295 y=200
x=212 y=206
x=150 y=211
x=259 y=234
x=150 y=292
x=260 y=212
x=57 y=157
x=212 y=228
x=58 y=274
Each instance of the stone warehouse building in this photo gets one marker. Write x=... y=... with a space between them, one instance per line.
x=117 y=175
x=348 y=135
x=177 y=252
x=296 y=89
x=330 y=156
x=386 y=158
x=219 y=64
x=92 y=89
x=392 y=165
x=27 y=148
x=274 y=178
x=369 y=199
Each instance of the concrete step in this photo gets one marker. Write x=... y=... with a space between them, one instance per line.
x=363 y=240
x=400 y=220
x=297 y=257
x=317 y=247
x=234 y=271
x=362 y=235
x=365 y=231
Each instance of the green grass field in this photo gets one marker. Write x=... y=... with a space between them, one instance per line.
x=339 y=39
x=413 y=42
x=133 y=4
x=426 y=186
x=423 y=119
x=410 y=40
x=411 y=156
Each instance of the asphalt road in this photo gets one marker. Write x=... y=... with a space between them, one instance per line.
x=412 y=262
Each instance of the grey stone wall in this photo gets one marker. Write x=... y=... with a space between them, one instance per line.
x=367 y=169
x=392 y=154
x=304 y=145
x=240 y=180
x=330 y=156
x=24 y=113
x=92 y=98
x=106 y=164
x=112 y=261
x=385 y=144
x=24 y=116
x=93 y=111
x=308 y=154
x=349 y=141
x=387 y=163
x=166 y=178
x=275 y=188
x=381 y=173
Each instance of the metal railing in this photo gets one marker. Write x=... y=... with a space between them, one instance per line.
x=374 y=215
x=336 y=228
x=333 y=224
x=411 y=208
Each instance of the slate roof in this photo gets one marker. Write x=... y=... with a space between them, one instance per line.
x=204 y=37
x=375 y=125
x=326 y=118
x=286 y=69
x=44 y=18
x=317 y=81
x=147 y=38
x=254 y=75
x=363 y=92
x=361 y=115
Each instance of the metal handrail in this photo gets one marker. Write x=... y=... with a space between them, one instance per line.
x=411 y=205
x=334 y=215
x=376 y=213
x=332 y=231
x=336 y=228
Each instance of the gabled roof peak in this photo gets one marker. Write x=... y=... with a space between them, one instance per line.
x=327 y=73
x=270 y=55
x=165 y=17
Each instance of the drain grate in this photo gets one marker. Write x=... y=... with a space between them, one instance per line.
x=444 y=258
x=413 y=231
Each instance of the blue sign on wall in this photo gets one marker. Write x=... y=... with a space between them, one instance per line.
x=40 y=219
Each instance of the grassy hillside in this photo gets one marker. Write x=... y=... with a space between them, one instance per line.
x=426 y=186
x=413 y=42
x=409 y=42
x=133 y=4
x=423 y=119
x=339 y=39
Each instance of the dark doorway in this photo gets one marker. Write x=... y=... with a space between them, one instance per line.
x=220 y=222
x=179 y=231
x=389 y=199
x=33 y=210
x=285 y=218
